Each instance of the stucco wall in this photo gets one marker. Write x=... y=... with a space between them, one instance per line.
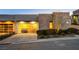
x=44 y=20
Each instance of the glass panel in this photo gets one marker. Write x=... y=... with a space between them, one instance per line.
x=6 y=28
x=75 y=19
x=1 y=28
x=51 y=25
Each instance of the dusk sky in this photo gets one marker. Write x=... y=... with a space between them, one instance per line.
x=33 y=11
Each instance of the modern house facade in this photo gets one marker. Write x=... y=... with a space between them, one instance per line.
x=31 y=23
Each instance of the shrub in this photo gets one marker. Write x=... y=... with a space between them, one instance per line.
x=41 y=33
x=52 y=32
x=61 y=32
x=46 y=33
x=72 y=31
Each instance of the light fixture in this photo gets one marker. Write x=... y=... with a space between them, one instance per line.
x=0 y=22
x=67 y=22
x=8 y=22
x=32 y=22
x=22 y=22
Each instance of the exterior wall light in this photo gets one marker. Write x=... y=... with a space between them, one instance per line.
x=22 y=22
x=0 y=22
x=32 y=22
x=67 y=22
x=9 y=22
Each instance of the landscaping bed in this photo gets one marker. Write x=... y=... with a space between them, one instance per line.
x=53 y=33
x=3 y=36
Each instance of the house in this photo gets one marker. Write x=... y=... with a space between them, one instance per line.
x=30 y=23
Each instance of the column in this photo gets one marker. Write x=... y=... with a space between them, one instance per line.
x=43 y=20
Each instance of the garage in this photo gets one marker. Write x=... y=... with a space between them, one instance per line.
x=27 y=27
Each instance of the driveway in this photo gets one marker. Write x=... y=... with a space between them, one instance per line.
x=19 y=38
x=31 y=43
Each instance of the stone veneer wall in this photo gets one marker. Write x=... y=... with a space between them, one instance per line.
x=61 y=20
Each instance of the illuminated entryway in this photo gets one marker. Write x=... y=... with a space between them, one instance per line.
x=28 y=27
x=51 y=25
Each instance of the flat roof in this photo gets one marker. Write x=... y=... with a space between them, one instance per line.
x=17 y=17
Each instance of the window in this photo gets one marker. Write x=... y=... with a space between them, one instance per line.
x=1 y=28
x=75 y=19
x=51 y=25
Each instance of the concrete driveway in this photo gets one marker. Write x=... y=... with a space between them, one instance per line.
x=19 y=38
